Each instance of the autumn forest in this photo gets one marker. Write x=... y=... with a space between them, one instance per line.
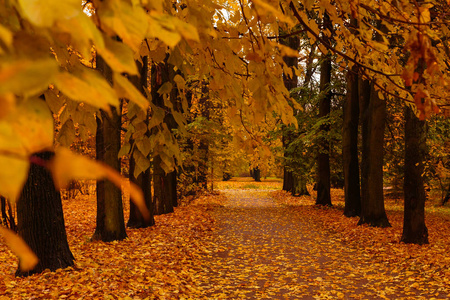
x=209 y=149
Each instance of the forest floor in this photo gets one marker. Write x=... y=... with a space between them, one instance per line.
x=248 y=241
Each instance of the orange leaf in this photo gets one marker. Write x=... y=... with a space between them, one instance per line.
x=67 y=166
x=27 y=259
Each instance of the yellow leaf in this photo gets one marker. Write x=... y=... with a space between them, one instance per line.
x=33 y=124
x=28 y=129
x=270 y=9
x=125 y=89
x=67 y=166
x=424 y=15
x=118 y=56
x=47 y=13
x=26 y=77
x=27 y=259
x=86 y=34
x=87 y=86
x=7 y=104
x=129 y=22
x=6 y=36
x=161 y=27
x=13 y=174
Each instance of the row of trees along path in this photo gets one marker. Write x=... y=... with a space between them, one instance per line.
x=265 y=250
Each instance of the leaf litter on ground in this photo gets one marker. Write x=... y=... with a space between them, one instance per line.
x=245 y=244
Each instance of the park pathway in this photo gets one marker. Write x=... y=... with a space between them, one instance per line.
x=263 y=250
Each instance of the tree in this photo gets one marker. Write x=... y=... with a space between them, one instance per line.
x=323 y=159
x=164 y=97
x=143 y=178
x=350 y=147
x=414 y=228
x=41 y=219
x=291 y=82
x=8 y=219
x=373 y=112
x=110 y=225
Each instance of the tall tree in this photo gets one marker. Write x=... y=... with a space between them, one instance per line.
x=41 y=219
x=290 y=82
x=164 y=182
x=414 y=228
x=110 y=219
x=350 y=146
x=323 y=157
x=373 y=113
x=144 y=179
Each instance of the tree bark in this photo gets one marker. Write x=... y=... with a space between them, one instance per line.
x=41 y=220
x=414 y=229
x=257 y=174
x=373 y=114
x=323 y=157
x=288 y=180
x=110 y=218
x=350 y=147
x=143 y=180
x=163 y=194
x=7 y=214
x=290 y=82
x=299 y=186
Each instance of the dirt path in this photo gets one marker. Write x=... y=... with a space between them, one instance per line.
x=266 y=251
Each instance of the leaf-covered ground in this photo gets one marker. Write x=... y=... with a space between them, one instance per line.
x=249 y=242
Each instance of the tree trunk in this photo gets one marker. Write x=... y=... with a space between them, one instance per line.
x=110 y=218
x=290 y=82
x=299 y=186
x=7 y=214
x=288 y=180
x=323 y=157
x=414 y=228
x=257 y=174
x=350 y=147
x=373 y=114
x=163 y=194
x=41 y=220
x=136 y=220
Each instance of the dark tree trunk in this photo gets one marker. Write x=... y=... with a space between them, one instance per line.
x=447 y=196
x=288 y=180
x=257 y=174
x=7 y=214
x=163 y=194
x=136 y=220
x=414 y=229
x=143 y=180
x=110 y=218
x=350 y=147
x=290 y=82
x=172 y=181
x=323 y=157
x=41 y=220
x=373 y=114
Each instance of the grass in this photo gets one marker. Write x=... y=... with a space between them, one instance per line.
x=249 y=183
